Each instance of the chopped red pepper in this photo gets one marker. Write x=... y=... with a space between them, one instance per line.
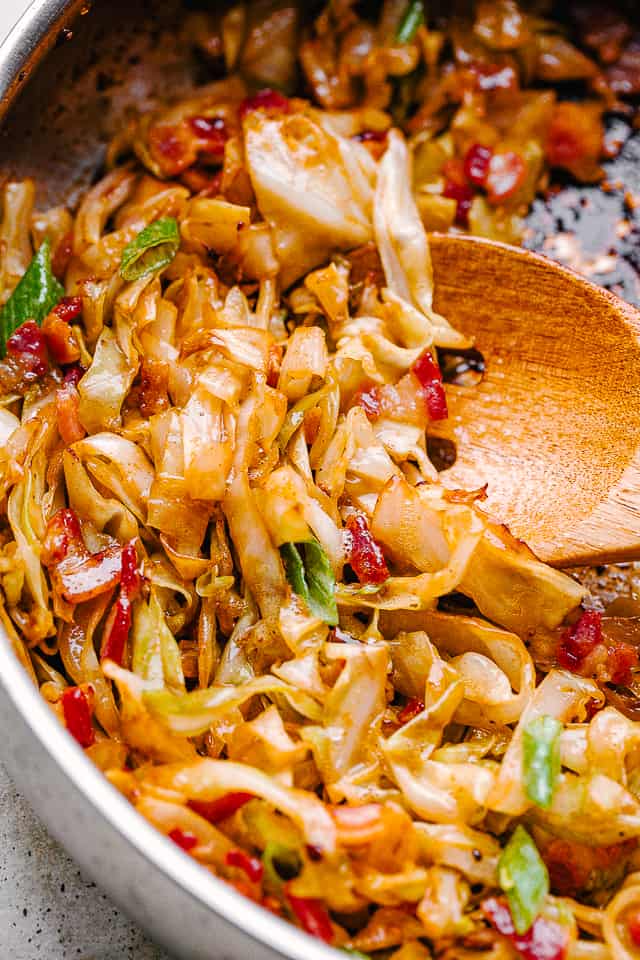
x=67 y=403
x=28 y=344
x=369 y=400
x=633 y=926
x=68 y=309
x=507 y=173
x=213 y=131
x=476 y=164
x=429 y=376
x=545 y=940
x=185 y=840
x=266 y=99
x=463 y=195
x=365 y=553
x=216 y=810
x=411 y=709
x=60 y=338
x=76 y=710
x=312 y=916
x=252 y=866
x=116 y=632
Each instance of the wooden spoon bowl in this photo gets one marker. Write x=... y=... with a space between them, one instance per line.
x=553 y=427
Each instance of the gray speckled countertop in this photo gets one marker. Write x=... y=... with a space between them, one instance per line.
x=48 y=909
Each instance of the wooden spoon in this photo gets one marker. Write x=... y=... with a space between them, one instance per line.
x=553 y=427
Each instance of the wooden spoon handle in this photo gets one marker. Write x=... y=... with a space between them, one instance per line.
x=554 y=426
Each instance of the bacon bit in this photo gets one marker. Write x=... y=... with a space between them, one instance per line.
x=68 y=309
x=575 y=136
x=429 y=376
x=365 y=553
x=216 y=810
x=312 y=916
x=545 y=940
x=491 y=77
x=357 y=826
x=476 y=164
x=266 y=99
x=252 y=866
x=369 y=400
x=507 y=173
x=273 y=364
x=411 y=709
x=74 y=374
x=62 y=255
x=28 y=345
x=212 y=133
x=67 y=402
x=584 y=650
x=76 y=573
x=172 y=147
x=186 y=841
x=463 y=195
x=63 y=533
x=633 y=926
x=60 y=339
x=154 y=383
x=575 y=868
x=116 y=631
x=76 y=709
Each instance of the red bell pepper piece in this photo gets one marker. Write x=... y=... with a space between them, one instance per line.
x=76 y=709
x=68 y=309
x=312 y=916
x=545 y=940
x=216 y=810
x=365 y=553
x=429 y=377
x=185 y=840
x=252 y=866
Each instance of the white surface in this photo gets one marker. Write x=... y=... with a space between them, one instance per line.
x=48 y=909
